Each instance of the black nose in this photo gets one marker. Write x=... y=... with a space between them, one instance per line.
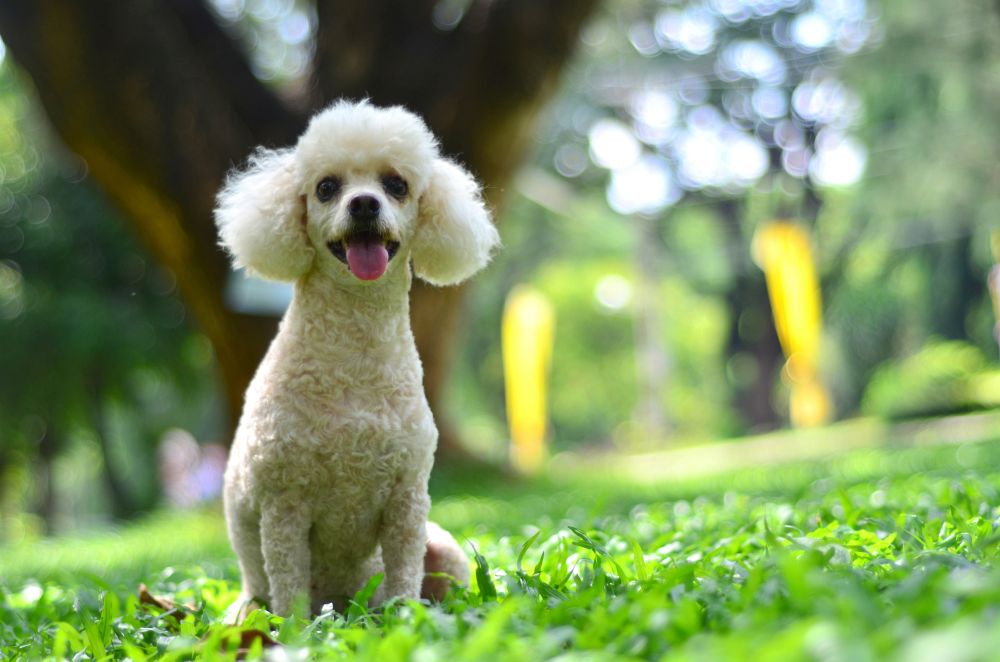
x=364 y=208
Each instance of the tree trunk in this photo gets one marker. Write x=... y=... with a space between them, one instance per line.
x=123 y=505
x=161 y=103
x=45 y=486
x=652 y=358
x=952 y=298
x=751 y=329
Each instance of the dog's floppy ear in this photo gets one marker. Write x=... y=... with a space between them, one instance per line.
x=261 y=218
x=455 y=237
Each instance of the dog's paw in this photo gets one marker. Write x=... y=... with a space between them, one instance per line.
x=237 y=612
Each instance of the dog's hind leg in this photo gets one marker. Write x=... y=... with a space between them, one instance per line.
x=444 y=563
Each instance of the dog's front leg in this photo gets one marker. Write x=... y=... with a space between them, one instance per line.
x=284 y=537
x=404 y=539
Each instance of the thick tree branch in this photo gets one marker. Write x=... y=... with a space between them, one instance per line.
x=128 y=87
x=263 y=114
x=382 y=49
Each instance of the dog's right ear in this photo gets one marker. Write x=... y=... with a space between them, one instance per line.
x=261 y=218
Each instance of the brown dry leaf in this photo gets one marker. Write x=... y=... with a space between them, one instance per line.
x=171 y=609
x=247 y=640
x=247 y=637
x=147 y=598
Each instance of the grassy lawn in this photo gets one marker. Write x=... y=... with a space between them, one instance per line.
x=872 y=555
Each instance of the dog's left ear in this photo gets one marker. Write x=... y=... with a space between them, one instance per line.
x=455 y=237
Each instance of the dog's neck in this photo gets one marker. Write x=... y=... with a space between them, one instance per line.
x=331 y=316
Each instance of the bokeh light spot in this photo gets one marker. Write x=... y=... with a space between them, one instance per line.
x=769 y=102
x=839 y=160
x=643 y=40
x=691 y=30
x=294 y=28
x=11 y=290
x=646 y=187
x=570 y=160
x=812 y=31
x=612 y=145
x=448 y=14
x=752 y=59
x=613 y=292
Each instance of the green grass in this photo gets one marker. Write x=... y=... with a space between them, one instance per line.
x=875 y=555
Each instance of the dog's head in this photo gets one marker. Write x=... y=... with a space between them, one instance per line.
x=363 y=190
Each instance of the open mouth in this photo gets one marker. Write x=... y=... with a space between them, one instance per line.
x=366 y=254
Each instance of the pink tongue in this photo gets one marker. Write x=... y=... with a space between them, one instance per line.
x=367 y=257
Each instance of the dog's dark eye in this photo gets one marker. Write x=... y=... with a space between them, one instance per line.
x=395 y=186
x=327 y=188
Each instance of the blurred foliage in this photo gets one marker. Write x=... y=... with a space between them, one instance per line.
x=99 y=359
x=915 y=255
x=931 y=127
x=942 y=378
x=593 y=377
x=902 y=253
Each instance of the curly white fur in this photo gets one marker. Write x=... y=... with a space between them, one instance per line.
x=259 y=217
x=327 y=480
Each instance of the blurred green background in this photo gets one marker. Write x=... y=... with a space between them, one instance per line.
x=675 y=131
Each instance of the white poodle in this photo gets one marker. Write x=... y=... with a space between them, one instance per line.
x=327 y=479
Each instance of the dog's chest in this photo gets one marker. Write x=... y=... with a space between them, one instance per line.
x=358 y=471
x=334 y=422
x=365 y=457
x=335 y=456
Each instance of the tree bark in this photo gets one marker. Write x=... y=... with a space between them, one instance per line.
x=751 y=327
x=654 y=365
x=160 y=103
x=45 y=485
x=952 y=299
x=123 y=504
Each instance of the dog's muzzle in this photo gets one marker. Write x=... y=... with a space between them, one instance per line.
x=365 y=252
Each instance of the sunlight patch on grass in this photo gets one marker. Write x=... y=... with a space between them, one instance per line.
x=132 y=551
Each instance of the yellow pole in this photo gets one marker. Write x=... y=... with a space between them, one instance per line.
x=783 y=251
x=527 y=337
